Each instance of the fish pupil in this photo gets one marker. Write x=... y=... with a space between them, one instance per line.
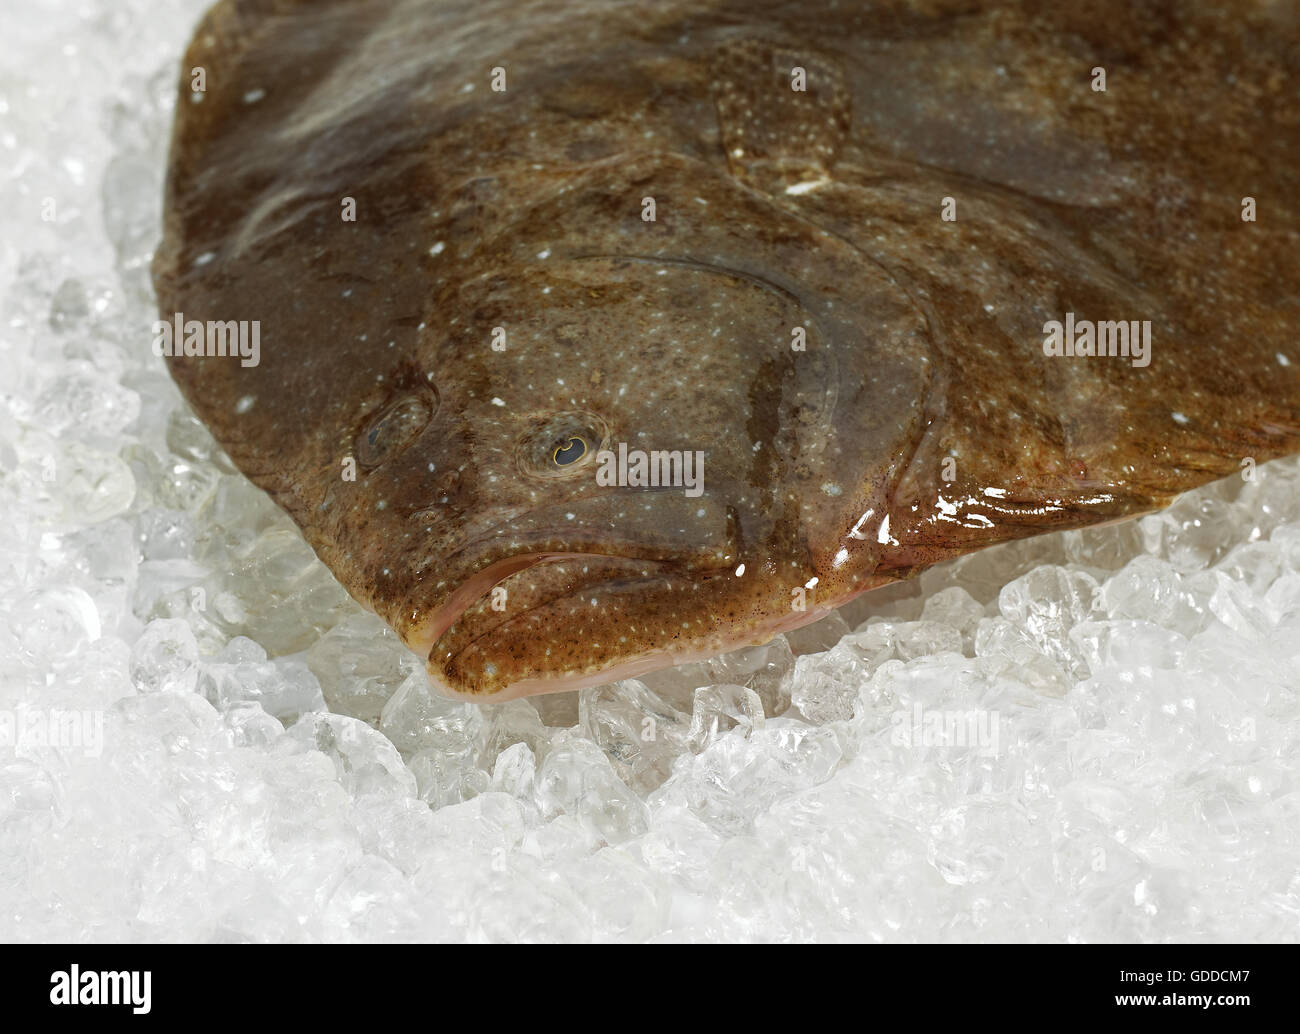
x=571 y=452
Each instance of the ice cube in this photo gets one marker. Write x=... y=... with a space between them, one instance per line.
x=767 y=670
x=577 y=780
x=826 y=685
x=365 y=761
x=639 y=733
x=360 y=663
x=719 y=709
x=165 y=658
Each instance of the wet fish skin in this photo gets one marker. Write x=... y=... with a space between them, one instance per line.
x=922 y=421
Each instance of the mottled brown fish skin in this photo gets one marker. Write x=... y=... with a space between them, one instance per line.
x=922 y=421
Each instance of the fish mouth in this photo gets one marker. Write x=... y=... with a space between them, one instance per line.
x=476 y=651
x=470 y=624
x=525 y=565
x=475 y=589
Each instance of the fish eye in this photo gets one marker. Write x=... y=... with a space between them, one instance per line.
x=571 y=452
x=560 y=445
x=393 y=428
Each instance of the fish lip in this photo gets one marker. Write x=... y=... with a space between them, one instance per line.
x=633 y=667
x=441 y=622
x=533 y=542
x=561 y=684
x=424 y=639
x=630 y=669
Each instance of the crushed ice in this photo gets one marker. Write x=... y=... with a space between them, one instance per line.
x=1090 y=736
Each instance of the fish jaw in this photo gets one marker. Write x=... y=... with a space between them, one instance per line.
x=556 y=619
x=630 y=669
x=423 y=638
x=592 y=620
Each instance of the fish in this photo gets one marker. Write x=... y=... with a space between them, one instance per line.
x=598 y=337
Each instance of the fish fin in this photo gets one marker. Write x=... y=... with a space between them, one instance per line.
x=219 y=85
x=933 y=519
x=226 y=30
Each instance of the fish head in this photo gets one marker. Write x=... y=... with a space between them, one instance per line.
x=623 y=459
